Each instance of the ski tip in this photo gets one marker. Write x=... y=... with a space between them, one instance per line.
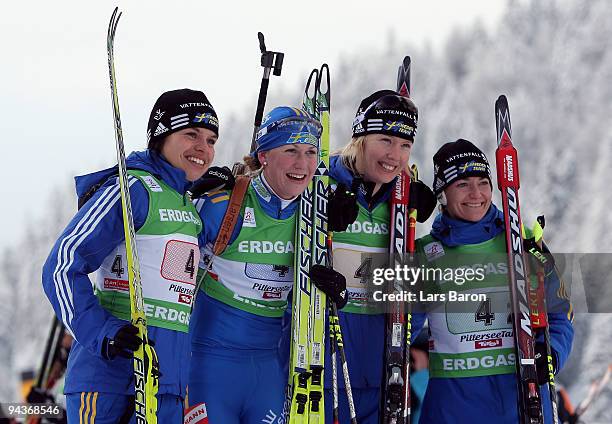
x=312 y=78
x=323 y=83
x=403 y=71
x=403 y=78
x=112 y=27
x=502 y=111
x=502 y=118
x=501 y=102
x=415 y=172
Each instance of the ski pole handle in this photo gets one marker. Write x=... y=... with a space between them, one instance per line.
x=262 y=45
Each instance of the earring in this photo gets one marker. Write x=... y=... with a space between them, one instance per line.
x=265 y=164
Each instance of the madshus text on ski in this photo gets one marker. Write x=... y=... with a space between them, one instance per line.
x=191 y=294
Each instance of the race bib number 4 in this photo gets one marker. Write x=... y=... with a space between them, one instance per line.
x=180 y=262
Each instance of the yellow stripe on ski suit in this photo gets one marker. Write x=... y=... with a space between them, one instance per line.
x=93 y=407
x=89 y=404
x=81 y=408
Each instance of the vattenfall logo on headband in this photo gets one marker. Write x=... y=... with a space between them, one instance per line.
x=394 y=112
x=463 y=155
x=184 y=105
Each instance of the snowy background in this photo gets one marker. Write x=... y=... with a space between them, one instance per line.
x=553 y=60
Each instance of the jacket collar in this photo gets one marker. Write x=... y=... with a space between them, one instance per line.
x=456 y=232
x=273 y=205
x=148 y=161
x=363 y=190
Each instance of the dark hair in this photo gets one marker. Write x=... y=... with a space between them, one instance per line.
x=252 y=163
x=156 y=144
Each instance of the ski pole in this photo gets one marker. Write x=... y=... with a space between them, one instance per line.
x=539 y=318
x=594 y=391
x=52 y=347
x=335 y=338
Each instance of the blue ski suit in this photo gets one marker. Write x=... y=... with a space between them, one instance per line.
x=363 y=336
x=235 y=367
x=491 y=398
x=95 y=386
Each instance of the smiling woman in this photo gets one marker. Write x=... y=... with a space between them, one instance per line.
x=236 y=323
x=183 y=128
x=383 y=133
x=191 y=150
x=462 y=180
x=384 y=129
x=287 y=150
x=182 y=131
x=289 y=169
x=472 y=349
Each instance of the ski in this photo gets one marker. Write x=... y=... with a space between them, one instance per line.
x=395 y=396
x=146 y=366
x=299 y=364
x=45 y=379
x=318 y=300
x=49 y=371
x=595 y=390
x=506 y=158
x=309 y=304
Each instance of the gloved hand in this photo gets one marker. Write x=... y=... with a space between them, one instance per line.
x=330 y=282
x=542 y=362
x=424 y=199
x=540 y=255
x=342 y=209
x=533 y=243
x=39 y=395
x=125 y=342
x=215 y=178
